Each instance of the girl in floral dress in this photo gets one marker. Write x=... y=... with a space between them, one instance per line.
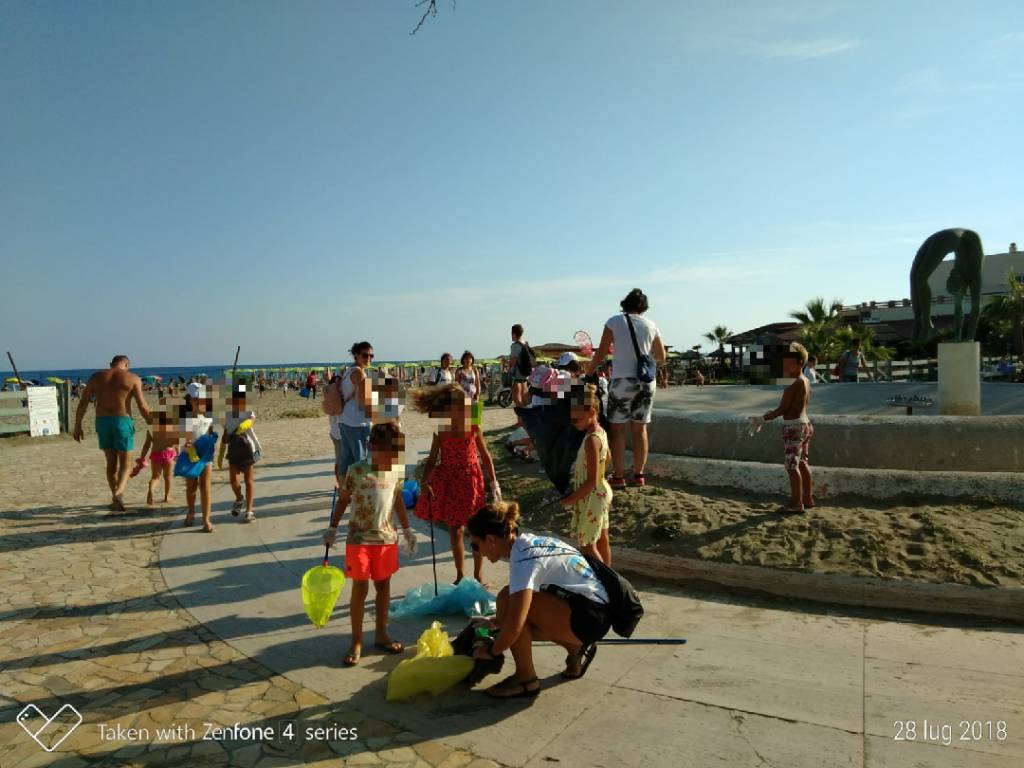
x=591 y=498
x=453 y=490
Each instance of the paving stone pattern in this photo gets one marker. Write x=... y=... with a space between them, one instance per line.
x=87 y=620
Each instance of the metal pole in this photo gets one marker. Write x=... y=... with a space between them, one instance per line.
x=15 y=369
x=433 y=554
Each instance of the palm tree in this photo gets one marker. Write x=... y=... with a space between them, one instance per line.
x=719 y=336
x=817 y=313
x=818 y=323
x=817 y=339
x=843 y=338
x=1009 y=308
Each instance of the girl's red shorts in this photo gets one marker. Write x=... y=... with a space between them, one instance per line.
x=373 y=562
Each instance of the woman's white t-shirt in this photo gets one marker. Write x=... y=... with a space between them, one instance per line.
x=352 y=415
x=624 y=363
x=537 y=561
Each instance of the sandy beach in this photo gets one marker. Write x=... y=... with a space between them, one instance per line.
x=977 y=543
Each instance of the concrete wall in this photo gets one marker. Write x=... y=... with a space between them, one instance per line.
x=936 y=443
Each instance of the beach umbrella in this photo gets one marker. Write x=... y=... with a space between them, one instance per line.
x=321 y=586
x=54 y=380
x=12 y=380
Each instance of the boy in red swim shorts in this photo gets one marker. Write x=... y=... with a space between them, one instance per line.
x=797 y=432
x=374 y=489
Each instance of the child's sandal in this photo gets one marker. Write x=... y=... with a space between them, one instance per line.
x=639 y=479
x=616 y=483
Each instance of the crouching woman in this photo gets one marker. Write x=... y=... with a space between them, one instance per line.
x=553 y=594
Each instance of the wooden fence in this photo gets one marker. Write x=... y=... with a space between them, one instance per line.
x=885 y=370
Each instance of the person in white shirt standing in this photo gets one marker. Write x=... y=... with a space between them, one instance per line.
x=630 y=399
x=810 y=372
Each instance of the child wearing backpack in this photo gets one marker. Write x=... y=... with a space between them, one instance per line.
x=591 y=498
x=373 y=486
x=243 y=451
x=453 y=490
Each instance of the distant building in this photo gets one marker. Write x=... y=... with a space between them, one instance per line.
x=554 y=349
x=897 y=315
x=763 y=352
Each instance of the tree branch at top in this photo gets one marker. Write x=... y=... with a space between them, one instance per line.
x=431 y=10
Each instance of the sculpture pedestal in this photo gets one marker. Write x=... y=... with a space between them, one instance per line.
x=960 y=378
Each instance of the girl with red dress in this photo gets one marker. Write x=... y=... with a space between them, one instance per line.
x=453 y=490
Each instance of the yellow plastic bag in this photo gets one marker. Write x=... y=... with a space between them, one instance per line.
x=435 y=668
x=320 y=589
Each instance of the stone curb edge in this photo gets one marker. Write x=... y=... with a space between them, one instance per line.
x=990 y=602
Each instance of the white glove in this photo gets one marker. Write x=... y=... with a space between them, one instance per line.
x=408 y=544
x=496 y=491
x=329 y=536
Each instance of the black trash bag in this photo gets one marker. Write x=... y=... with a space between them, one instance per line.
x=557 y=441
x=465 y=643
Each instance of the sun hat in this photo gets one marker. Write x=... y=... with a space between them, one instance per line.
x=565 y=358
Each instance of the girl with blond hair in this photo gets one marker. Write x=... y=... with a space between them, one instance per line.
x=591 y=498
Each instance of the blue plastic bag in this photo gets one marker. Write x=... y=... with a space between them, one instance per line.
x=304 y=392
x=469 y=598
x=204 y=445
x=410 y=493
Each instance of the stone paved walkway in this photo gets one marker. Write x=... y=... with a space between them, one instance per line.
x=87 y=620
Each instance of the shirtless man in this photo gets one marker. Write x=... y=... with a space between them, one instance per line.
x=114 y=389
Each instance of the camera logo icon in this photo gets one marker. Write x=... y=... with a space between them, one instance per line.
x=49 y=732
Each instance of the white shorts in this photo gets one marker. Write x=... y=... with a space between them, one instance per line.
x=630 y=400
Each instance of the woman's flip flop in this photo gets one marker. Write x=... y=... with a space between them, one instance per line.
x=393 y=647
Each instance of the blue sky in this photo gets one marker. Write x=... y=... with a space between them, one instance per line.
x=178 y=178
